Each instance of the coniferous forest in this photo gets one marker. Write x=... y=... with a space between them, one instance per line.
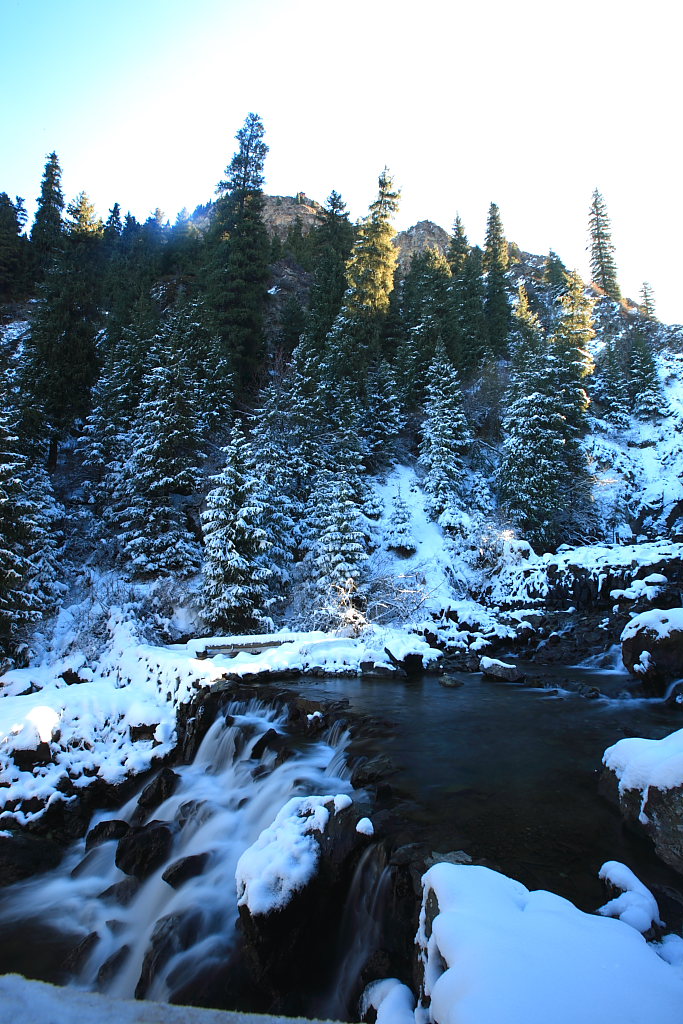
x=208 y=402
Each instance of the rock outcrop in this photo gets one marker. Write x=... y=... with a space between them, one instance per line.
x=652 y=648
x=421 y=236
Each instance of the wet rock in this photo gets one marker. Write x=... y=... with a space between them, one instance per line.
x=105 y=830
x=180 y=871
x=371 y=770
x=111 y=966
x=123 y=892
x=74 y=960
x=271 y=740
x=494 y=669
x=172 y=934
x=589 y=692
x=24 y=855
x=159 y=789
x=450 y=682
x=659 y=815
x=144 y=848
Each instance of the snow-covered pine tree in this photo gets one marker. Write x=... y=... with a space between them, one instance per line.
x=644 y=386
x=339 y=549
x=28 y=539
x=235 y=596
x=383 y=417
x=603 y=265
x=445 y=434
x=165 y=443
x=399 y=536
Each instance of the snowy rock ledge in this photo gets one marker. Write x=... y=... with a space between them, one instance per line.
x=292 y=884
x=493 y=951
x=645 y=778
x=652 y=647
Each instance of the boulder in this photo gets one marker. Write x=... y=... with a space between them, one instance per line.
x=494 y=669
x=180 y=871
x=158 y=790
x=23 y=855
x=652 y=648
x=654 y=811
x=144 y=848
x=105 y=830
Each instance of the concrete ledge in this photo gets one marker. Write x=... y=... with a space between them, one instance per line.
x=34 y=1002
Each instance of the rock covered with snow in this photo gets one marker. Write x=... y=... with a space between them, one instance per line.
x=492 y=668
x=652 y=647
x=646 y=779
x=631 y=902
x=493 y=951
x=291 y=885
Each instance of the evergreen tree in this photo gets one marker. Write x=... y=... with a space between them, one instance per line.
x=383 y=419
x=238 y=268
x=570 y=344
x=61 y=363
x=399 y=536
x=445 y=434
x=235 y=592
x=458 y=248
x=603 y=266
x=334 y=239
x=644 y=386
x=165 y=442
x=496 y=262
x=466 y=329
x=46 y=233
x=610 y=385
x=355 y=337
x=13 y=248
x=28 y=539
x=647 y=301
x=340 y=549
x=555 y=275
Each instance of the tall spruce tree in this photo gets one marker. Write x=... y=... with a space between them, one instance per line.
x=46 y=233
x=603 y=266
x=237 y=275
x=354 y=340
x=235 y=594
x=496 y=262
x=647 y=301
x=13 y=249
x=445 y=434
x=334 y=239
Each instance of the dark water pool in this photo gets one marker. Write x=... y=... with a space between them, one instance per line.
x=510 y=773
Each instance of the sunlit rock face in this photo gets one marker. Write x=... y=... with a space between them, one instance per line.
x=423 y=235
x=280 y=213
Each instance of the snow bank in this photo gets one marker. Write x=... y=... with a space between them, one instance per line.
x=285 y=856
x=393 y=1001
x=640 y=763
x=34 y=1002
x=498 y=952
x=635 y=904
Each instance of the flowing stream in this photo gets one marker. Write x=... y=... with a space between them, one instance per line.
x=503 y=772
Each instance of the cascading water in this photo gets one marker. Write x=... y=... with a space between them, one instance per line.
x=154 y=944
x=361 y=932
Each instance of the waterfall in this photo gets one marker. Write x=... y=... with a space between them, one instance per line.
x=154 y=943
x=360 y=933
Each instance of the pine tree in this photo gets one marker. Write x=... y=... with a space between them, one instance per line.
x=466 y=329
x=603 y=266
x=28 y=539
x=46 y=233
x=496 y=262
x=399 y=536
x=239 y=253
x=555 y=274
x=644 y=386
x=161 y=471
x=235 y=593
x=647 y=301
x=334 y=239
x=445 y=434
x=13 y=248
x=339 y=550
x=383 y=418
x=355 y=337
x=458 y=248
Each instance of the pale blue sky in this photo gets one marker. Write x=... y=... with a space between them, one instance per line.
x=530 y=105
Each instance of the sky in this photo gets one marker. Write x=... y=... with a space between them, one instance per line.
x=531 y=105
